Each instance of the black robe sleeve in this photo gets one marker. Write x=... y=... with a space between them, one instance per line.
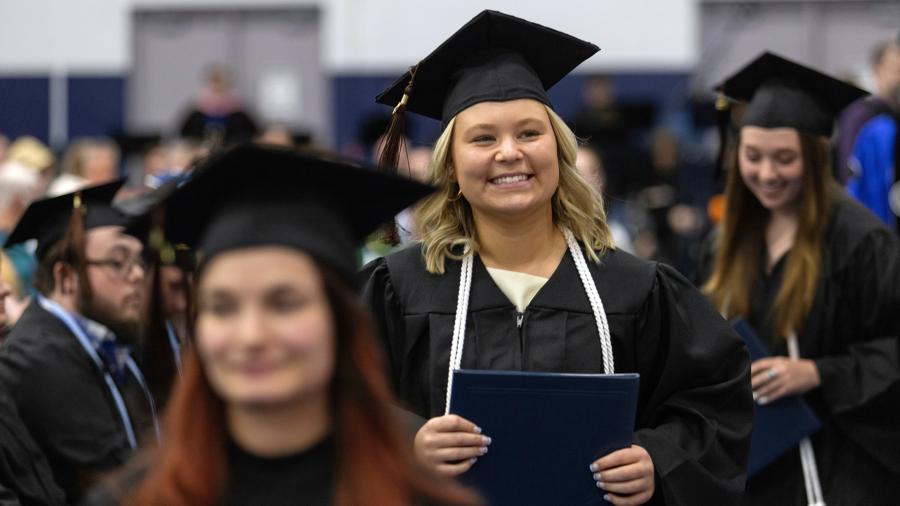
x=25 y=475
x=859 y=366
x=378 y=292
x=871 y=364
x=697 y=420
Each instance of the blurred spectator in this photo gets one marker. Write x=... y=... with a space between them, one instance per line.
x=614 y=129
x=4 y=147
x=885 y=66
x=676 y=201
x=217 y=116
x=19 y=186
x=170 y=160
x=35 y=155
x=5 y=291
x=66 y=183
x=94 y=159
x=590 y=164
x=276 y=135
x=873 y=179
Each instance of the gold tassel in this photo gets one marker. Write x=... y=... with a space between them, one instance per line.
x=723 y=120
x=73 y=242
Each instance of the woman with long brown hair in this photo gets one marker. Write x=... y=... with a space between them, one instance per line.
x=816 y=276
x=282 y=399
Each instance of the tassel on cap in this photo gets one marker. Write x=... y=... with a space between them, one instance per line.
x=393 y=141
x=723 y=122
x=73 y=244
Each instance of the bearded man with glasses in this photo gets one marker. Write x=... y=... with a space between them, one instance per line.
x=68 y=363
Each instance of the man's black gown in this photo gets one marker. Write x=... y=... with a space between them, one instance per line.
x=62 y=398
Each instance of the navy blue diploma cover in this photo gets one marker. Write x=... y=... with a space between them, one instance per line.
x=546 y=430
x=777 y=427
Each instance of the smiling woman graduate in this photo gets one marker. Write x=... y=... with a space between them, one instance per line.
x=526 y=237
x=817 y=277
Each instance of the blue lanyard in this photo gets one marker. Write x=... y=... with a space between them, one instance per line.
x=175 y=344
x=60 y=313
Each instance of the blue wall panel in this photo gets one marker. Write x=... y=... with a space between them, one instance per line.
x=354 y=101
x=96 y=105
x=25 y=107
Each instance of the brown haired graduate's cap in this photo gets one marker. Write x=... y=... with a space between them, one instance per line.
x=495 y=57
x=782 y=93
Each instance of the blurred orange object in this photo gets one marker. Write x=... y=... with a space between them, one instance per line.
x=715 y=208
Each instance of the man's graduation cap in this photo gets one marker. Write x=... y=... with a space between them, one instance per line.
x=146 y=222
x=255 y=196
x=783 y=93
x=47 y=220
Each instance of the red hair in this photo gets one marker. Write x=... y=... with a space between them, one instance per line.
x=374 y=464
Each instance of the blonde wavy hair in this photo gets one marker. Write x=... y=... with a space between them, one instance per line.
x=447 y=227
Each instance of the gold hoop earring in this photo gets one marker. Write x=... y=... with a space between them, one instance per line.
x=458 y=196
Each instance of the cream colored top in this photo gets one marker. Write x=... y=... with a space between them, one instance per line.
x=518 y=287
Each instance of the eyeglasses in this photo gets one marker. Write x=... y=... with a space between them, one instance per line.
x=121 y=268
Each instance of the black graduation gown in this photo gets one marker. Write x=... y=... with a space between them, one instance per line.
x=851 y=333
x=65 y=403
x=694 y=408
x=303 y=478
x=25 y=475
x=306 y=477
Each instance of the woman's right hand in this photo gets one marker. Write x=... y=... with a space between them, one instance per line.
x=450 y=444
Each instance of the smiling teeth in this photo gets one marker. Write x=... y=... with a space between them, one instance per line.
x=510 y=179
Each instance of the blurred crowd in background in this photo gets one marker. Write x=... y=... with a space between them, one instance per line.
x=659 y=177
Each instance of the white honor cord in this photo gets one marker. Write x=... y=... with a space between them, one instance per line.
x=596 y=304
x=462 y=309
x=811 y=482
x=459 y=325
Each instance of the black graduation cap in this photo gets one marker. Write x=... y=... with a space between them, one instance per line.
x=46 y=220
x=783 y=93
x=141 y=214
x=494 y=57
x=262 y=195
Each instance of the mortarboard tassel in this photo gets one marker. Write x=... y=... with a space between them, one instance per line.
x=723 y=120
x=160 y=369
x=391 y=144
x=73 y=244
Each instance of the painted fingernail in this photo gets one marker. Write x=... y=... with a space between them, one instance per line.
x=602 y=485
x=487 y=440
x=483 y=450
x=477 y=430
x=596 y=476
x=473 y=460
x=755 y=397
x=606 y=498
x=598 y=485
x=763 y=400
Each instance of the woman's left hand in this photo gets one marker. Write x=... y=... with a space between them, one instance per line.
x=626 y=475
x=775 y=377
